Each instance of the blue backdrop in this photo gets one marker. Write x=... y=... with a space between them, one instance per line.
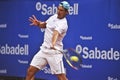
x=94 y=29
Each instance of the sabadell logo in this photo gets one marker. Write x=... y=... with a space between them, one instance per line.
x=52 y=9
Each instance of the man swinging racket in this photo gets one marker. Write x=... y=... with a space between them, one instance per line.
x=55 y=29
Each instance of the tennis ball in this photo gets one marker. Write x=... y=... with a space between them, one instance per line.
x=74 y=58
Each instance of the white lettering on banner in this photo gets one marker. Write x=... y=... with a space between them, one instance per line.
x=42 y=30
x=22 y=61
x=3 y=25
x=86 y=37
x=3 y=71
x=86 y=66
x=46 y=70
x=50 y=10
x=14 y=50
x=23 y=36
x=111 y=78
x=98 y=54
x=113 y=26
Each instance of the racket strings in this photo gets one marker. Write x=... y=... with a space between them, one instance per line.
x=71 y=52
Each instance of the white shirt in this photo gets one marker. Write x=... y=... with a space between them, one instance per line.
x=54 y=23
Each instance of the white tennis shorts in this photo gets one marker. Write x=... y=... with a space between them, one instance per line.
x=51 y=57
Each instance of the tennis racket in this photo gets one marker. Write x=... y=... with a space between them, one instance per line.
x=73 y=58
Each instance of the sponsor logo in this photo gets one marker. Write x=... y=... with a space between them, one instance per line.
x=46 y=9
x=86 y=37
x=14 y=50
x=112 y=78
x=3 y=25
x=87 y=66
x=113 y=26
x=22 y=61
x=42 y=30
x=23 y=36
x=46 y=70
x=96 y=53
x=3 y=71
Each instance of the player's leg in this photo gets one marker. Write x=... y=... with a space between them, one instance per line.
x=31 y=72
x=61 y=77
x=37 y=63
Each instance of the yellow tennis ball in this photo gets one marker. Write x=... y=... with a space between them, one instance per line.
x=74 y=58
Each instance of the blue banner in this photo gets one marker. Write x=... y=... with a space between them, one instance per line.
x=94 y=29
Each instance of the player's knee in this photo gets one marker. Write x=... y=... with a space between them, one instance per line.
x=31 y=70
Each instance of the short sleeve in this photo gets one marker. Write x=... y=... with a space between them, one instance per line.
x=51 y=18
x=61 y=28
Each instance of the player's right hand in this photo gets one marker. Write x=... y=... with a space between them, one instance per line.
x=34 y=21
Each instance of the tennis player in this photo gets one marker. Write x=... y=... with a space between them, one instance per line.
x=55 y=29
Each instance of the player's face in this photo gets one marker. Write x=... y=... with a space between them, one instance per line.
x=61 y=12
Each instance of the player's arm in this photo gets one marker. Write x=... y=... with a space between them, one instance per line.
x=54 y=38
x=34 y=21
